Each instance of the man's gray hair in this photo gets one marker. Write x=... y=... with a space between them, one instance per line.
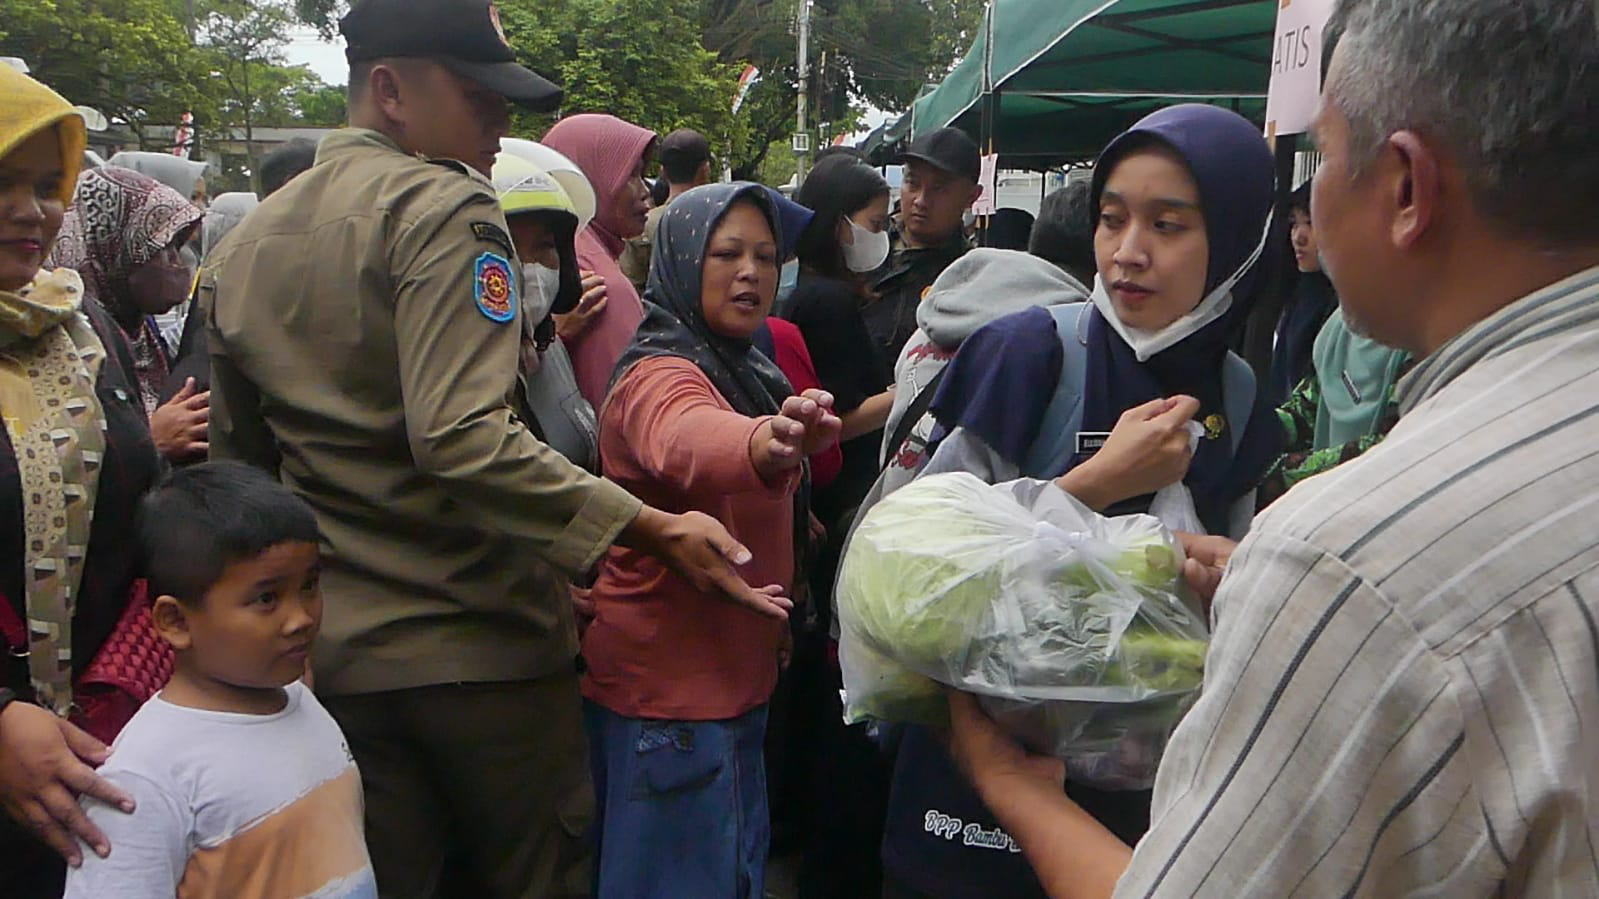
x=1510 y=88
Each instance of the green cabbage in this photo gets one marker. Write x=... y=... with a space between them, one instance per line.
x=918 y=593
x=917 y=587
x=892 y=692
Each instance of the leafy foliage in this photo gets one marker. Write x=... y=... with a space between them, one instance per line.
x=642 y=60
x=130 y=59
x=664 y=64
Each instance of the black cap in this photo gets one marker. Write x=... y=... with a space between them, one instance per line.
x=462 y=35
x=684 y=144
x=948 y=149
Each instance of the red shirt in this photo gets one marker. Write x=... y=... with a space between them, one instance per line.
x=658 y=648
x=794 y=358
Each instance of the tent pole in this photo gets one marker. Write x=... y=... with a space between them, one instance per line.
x=989 y=116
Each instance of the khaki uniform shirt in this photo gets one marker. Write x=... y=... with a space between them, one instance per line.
x=364 y=329
x=635 y=259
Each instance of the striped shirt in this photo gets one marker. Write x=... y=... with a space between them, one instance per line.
x=1402 y=693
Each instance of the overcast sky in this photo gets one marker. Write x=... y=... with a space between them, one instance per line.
x=326 y=58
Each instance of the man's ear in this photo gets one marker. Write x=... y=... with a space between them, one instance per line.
x=1413 y=187
x=977 y=191
x=171 y=622
x=385 y=87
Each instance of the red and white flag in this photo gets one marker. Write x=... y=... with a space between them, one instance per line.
x=745 y=82
x=183 y=138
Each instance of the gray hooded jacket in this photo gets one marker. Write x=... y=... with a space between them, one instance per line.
x=983 y=285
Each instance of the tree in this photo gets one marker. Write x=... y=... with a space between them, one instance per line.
x=323 y=15
x=879 y=52
x=317 y=103
x=130 y=59
x=643 y=59
x=640 y=60
x=243 y=43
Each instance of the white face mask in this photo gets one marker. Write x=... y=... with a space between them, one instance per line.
x=540 y=284
x=869 y=249
x=1144 y=343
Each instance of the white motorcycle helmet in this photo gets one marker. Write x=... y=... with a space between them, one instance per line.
x=563 y=170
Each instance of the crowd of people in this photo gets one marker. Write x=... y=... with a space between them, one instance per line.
x=461 y=515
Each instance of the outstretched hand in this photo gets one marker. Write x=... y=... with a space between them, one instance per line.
x=805 y=425
x=696 y=547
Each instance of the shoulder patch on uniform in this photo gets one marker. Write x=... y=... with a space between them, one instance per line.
x=494 y=288
x=492 y=233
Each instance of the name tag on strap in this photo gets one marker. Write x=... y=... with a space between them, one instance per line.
x=1090 y=442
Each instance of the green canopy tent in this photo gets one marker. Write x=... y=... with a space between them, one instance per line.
x=1048 y=82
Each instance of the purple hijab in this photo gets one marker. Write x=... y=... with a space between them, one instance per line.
x=1232 y=166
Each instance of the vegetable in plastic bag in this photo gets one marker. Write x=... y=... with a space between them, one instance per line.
x=1071 y=627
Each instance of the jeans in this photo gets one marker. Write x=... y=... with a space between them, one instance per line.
x=681 y=806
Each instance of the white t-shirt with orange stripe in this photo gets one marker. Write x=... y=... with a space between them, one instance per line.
x=231 y=805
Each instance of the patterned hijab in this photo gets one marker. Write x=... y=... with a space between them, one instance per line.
x=119 y=221
x=674 y=319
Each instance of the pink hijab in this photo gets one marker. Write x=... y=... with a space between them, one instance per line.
x=607 y=149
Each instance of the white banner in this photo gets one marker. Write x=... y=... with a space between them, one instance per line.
x=988 y=177
x=1296 y=66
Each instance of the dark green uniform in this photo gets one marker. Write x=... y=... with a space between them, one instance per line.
x=900 y=284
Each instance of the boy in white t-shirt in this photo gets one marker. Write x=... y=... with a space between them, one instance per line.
x=244 y=786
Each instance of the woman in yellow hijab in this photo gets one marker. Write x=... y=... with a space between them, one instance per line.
x=75 y=457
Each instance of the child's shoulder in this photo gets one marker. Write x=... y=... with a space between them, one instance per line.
x=165 y=741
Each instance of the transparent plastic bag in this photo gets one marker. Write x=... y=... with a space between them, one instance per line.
x=1073 y=629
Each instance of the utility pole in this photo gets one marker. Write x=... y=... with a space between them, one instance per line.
x=802 y=138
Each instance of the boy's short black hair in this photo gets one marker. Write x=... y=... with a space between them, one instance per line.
x=201 y=519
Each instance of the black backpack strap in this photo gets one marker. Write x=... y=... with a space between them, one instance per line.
x=914 y=414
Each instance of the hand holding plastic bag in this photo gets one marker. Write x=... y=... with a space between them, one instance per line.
x=1069 y=625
